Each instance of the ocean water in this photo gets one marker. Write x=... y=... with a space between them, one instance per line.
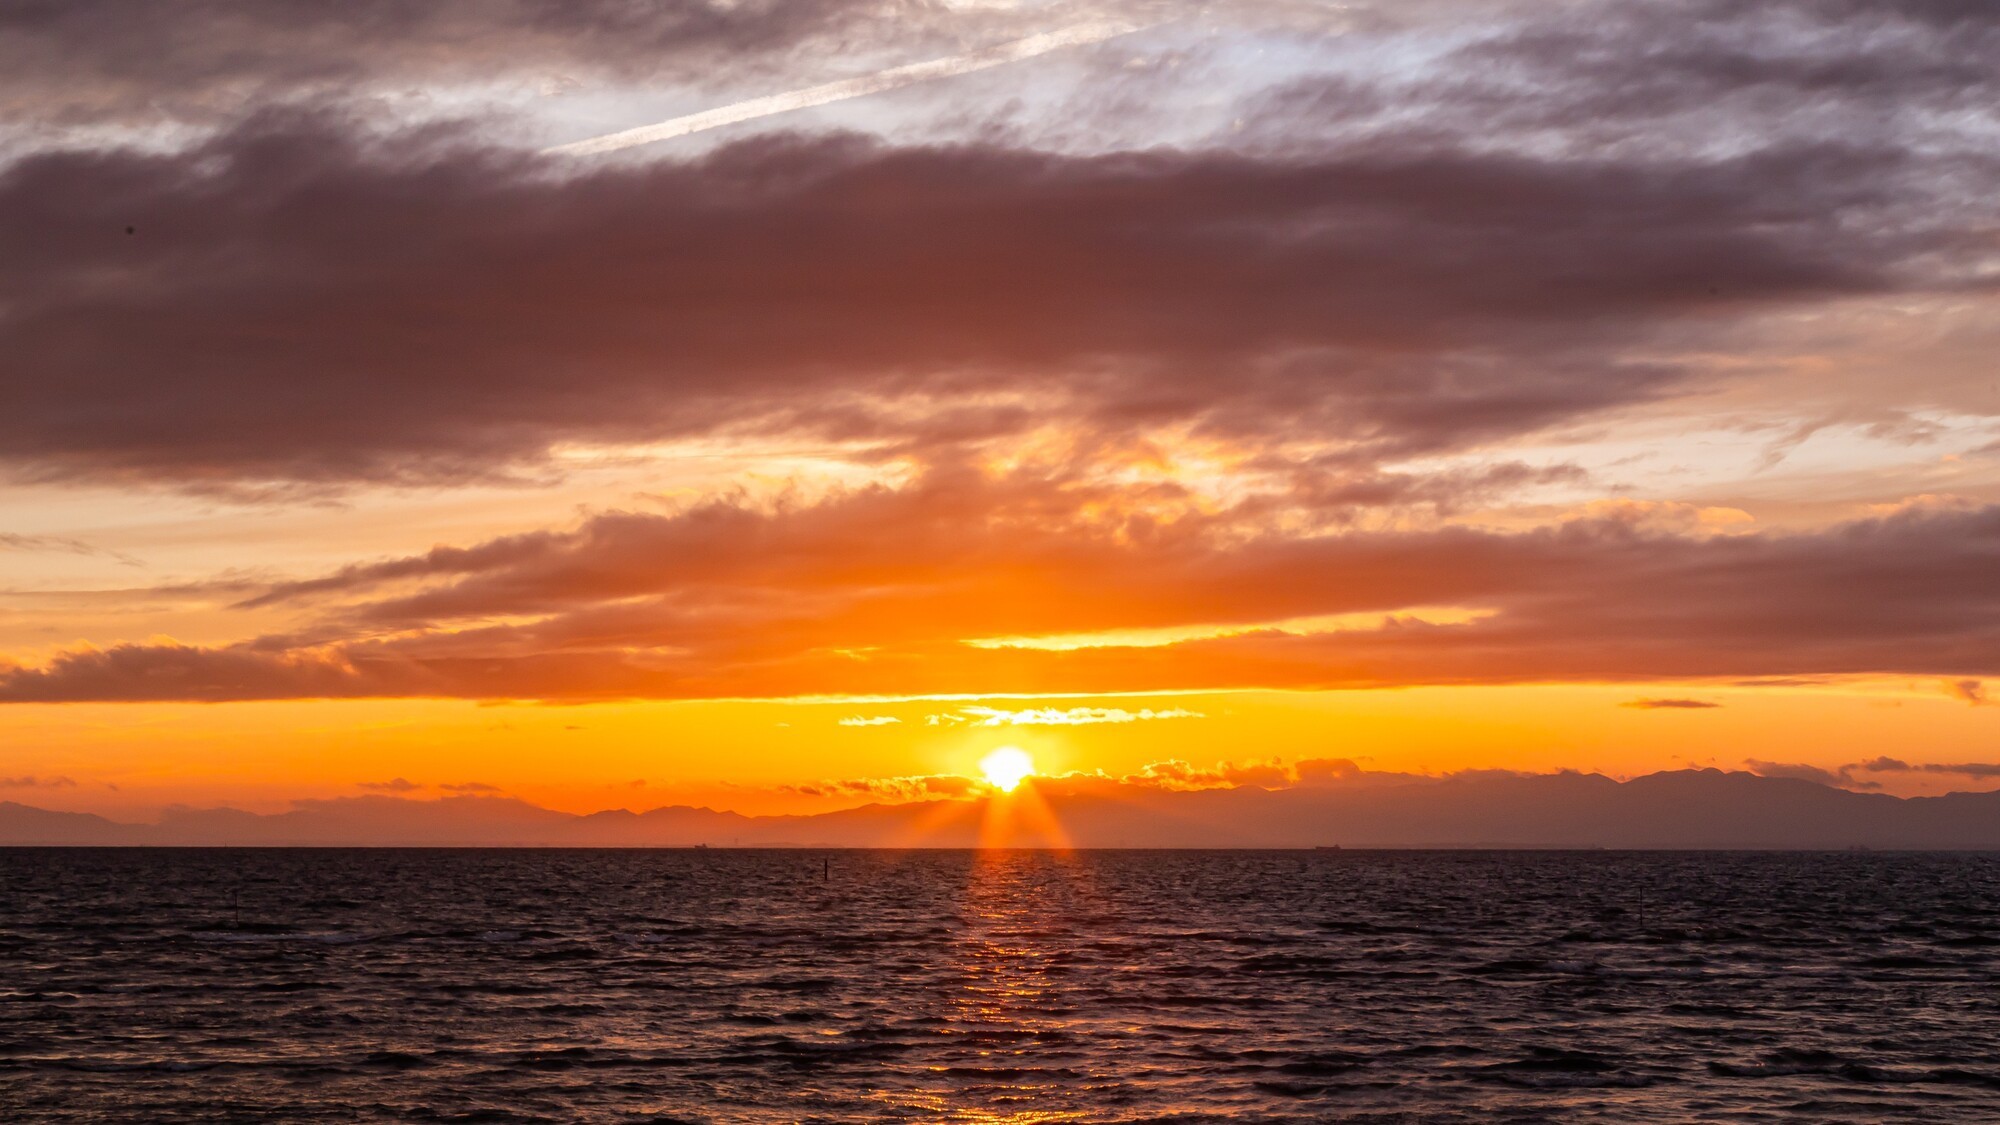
x=781 y=986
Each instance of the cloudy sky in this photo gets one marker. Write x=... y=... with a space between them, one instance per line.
x=757 y=402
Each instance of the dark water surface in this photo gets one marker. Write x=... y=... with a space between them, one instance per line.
x=742 y=986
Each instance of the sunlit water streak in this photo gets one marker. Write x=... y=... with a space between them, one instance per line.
x=767 y=986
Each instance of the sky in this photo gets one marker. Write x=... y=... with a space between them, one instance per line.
x=780 y=406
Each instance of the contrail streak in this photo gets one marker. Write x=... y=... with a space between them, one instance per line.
x=1096 y=31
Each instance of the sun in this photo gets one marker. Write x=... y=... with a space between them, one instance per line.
x=1007 y=767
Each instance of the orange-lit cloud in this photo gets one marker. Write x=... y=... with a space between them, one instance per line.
x=928 y=787
x=1970 y=691
x=1056 y=716
x=876 y=592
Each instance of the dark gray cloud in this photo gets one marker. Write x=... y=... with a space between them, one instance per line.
x=1671 y=705
x=300 y=304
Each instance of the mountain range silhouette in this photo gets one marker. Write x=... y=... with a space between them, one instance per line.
x=1705 y=808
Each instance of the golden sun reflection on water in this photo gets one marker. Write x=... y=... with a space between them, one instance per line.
x=1017 y=1023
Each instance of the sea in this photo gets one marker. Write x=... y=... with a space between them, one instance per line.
x=714 y=985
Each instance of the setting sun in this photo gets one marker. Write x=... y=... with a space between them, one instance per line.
x=1007 y=767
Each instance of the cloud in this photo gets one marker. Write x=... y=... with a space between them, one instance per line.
x=1680 y=74
x=31 y=781
x=244 y=671
x=1897 y=765
x=1399 y=300
x=1561 y=215
x=10 y=541
x=1326 y=771
x=869 y=720
x=1966 y=769
x=1800 y=772
x=393 y=785
x=1059 y=717
x=95 y=61
x=895 y=78
x=1266 y=775
x=1174 y=774
x=1969 y=691
x=878 y=592
x=892 y=789
x=462 y=787
x=1178 y=774
x=1671 y=705
x=1844 y=776
x=1666 y=515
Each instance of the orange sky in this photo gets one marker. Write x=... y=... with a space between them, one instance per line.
x=763 y=757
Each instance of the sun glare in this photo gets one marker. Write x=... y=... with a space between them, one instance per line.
x=1007 y=767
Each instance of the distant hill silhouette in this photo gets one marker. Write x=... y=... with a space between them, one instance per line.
x=1682 y=809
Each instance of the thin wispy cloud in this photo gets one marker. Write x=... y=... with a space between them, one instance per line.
x=1076 y=35
x=11 y=541
x=1056 y=717
x=33 y=781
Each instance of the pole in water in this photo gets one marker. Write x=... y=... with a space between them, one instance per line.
x=826 y=870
